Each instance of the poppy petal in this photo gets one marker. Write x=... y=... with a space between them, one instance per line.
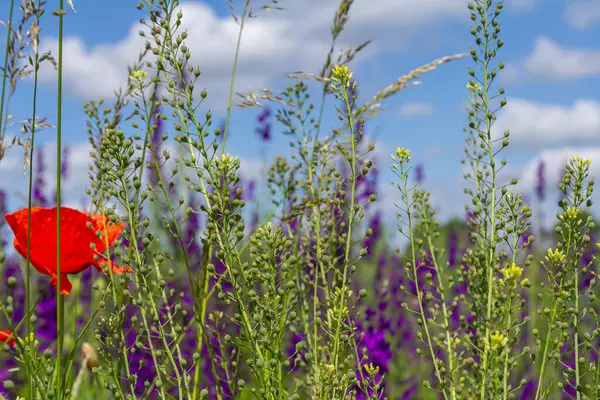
x=112 y=230
x=4 y=337
x=65 y=284
x=18 y=223
x=78 y=241
x=103 y=264
x=23 y=252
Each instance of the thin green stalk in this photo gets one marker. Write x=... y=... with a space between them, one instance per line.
x=545 y=353
x=235 y=62
x=194 y=159
x=20 y=345
x=29 y=204
x=60 y=320
x=576 y=331
x=492 y=211
x=319 y=265
x=423 y=315
x=139 y=260
x=133 y=244
x=509 y=322
x=507 y=350
x=548 y=334
x=204 y=304
x=5 y=75
x=446 y=326
x=200 y=333
x=178 y=341
x=115 y=300
x=336 y=337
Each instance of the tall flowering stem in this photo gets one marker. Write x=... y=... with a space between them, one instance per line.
x=60 y=323
x=485 y=172
x=414 y=205
x=569 y=296
x=343 y=85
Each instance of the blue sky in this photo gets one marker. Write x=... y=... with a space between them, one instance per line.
x=552 y=79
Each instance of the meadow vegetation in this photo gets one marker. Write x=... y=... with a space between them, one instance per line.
x=175 y=284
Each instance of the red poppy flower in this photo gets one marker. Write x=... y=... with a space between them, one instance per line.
x=4 y=337
x=76 y=237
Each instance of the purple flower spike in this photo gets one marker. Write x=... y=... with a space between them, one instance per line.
x=419 y=173
x=540 y=188
x=264 y=128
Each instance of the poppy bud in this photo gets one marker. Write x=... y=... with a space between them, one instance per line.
x=88 y=352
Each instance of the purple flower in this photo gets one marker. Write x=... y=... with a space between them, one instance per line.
x=452 y=248
x=419 y=173
x=540 y=187
x=222 y=127
x=39 y=198
x=379 y=354
x=64 y=166
x=529 y=390
x=46 y=318
x=140 y=362
x=264 y=128
x=293 y=352
x=3 y=241
x=409 y=393
x=262 y=117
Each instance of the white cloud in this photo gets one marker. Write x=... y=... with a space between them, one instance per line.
x=510 y=74
x=296 y=38
x=416 y=109
x=551 y=61
x=554 y=165
x=582 y=14
x=522 y=5
x=535 y=124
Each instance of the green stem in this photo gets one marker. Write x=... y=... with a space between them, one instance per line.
x=507 y=350
x=492 y=224
x=576 y=332
x=30 y=191
x=446 y=326
x=122 y=346
x=60 y=320
x=550 y=330
x=200 y=334
x=235 y=62
x=340 y=321
x=545 y=353
x=138 y=259
x=509 y=312
x=422 y=313
x=29 y=206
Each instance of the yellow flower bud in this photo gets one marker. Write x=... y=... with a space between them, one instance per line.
x=512 y=273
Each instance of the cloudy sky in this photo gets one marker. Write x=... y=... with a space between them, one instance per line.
x=552 y=80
